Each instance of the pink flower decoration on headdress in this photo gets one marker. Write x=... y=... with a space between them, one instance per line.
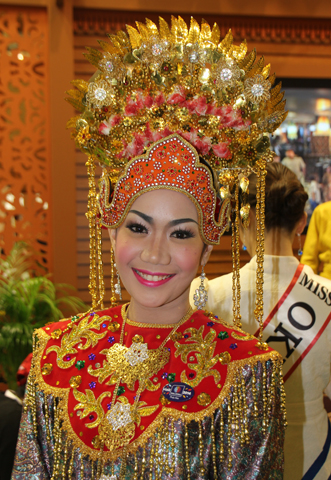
x=178 y=96
x=221 y=150
x=104 y=128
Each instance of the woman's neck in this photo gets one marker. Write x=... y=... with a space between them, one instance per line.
x=169 y=313
x=279 y=243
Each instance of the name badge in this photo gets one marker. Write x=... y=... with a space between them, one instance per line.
x=178 y=392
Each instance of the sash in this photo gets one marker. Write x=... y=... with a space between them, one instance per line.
x=302 y=314
x=320 y=460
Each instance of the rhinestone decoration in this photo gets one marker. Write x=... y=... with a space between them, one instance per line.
x=46 y=369
x=224 y=358
x=138 y=339
x=119 y=416
x=96 y=441
x=176 y=336
x=171 y=377
x=203 y=399
x=164 y=401
x=223 y=335
x=114 y=326
x=91 y=356
x=56 y=334
x=75 y=381
x=111 y=340
x=233 y=346
x=80 y=364
x=92 y=384
x=137 y=353
x=120 y=390
x=210 y=324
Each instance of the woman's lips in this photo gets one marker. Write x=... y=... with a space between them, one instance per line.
x=151 y=279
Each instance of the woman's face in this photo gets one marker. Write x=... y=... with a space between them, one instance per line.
x=158 y=248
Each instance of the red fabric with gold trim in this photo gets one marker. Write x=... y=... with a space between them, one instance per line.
x=209 y=338
x=171 y=163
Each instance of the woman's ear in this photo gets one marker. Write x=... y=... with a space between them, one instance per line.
x=112 y=236
x=301 y=224
x=206 y=254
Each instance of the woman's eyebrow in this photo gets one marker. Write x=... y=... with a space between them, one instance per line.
x=181 y=220
x=145 y=217
x=173 y=223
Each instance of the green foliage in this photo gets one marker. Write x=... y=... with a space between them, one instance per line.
x=27 y=302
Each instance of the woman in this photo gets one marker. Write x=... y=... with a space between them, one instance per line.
x=296 y=320
x=153 y=389
x=317 y=247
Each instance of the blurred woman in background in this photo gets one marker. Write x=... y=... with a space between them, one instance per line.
x=297 y=313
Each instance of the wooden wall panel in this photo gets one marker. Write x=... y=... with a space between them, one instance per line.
x=24 y=132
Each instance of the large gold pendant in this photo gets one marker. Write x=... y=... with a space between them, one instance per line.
x=130 y=364
x=117 y=428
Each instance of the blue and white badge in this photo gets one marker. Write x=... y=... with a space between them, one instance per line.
x=178 y=392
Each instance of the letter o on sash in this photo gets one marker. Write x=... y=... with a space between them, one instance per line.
x=306 y=307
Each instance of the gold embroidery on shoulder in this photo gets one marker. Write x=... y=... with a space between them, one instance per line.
x=206 y=360
x=83 y=330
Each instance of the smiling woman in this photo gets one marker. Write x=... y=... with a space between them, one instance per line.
x=159 y=246
x=154 y=389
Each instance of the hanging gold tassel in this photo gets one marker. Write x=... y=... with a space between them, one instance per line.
x=91 y=215
x=113 y=301
x=235 y=247
x=101 y=281
x=260 y=215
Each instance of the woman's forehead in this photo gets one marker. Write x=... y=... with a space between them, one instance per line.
x=165 y=202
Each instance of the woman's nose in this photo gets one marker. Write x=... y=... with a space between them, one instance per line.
x=156 y=251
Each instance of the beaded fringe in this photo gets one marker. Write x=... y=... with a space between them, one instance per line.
x=157 y=456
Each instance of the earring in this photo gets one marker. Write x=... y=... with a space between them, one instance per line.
x=300 y=252
x=117 y=286
x=244 y=241
x=200 y=297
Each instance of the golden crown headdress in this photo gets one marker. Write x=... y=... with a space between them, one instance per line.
x=153 y=82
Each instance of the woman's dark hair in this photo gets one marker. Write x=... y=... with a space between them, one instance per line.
x=285 y=197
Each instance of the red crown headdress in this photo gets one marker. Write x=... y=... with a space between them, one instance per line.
x=171 y=163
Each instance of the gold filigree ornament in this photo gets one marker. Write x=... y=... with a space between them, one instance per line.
x=257 y=89
x=204 y=348
x=72 y=340
x=136 y=363
x=99 y=94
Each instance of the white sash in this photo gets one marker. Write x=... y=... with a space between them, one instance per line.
x=302 y=314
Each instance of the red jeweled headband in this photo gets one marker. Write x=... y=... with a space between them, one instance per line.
x=171 y=163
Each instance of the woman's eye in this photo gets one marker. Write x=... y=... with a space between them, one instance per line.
x=182 y=234
x=137 y=228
